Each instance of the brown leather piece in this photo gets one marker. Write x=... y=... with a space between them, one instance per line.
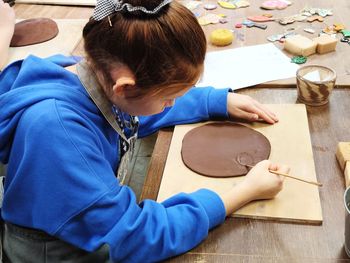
x=212 y=149
x=34 y=31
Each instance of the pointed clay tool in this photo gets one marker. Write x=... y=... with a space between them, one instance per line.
x=243 y=163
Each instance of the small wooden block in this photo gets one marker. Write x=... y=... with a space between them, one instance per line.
x=300 y=45
x=343 y=154
x=347 y=174
x=325 y=44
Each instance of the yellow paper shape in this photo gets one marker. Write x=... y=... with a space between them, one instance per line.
x=226 y=5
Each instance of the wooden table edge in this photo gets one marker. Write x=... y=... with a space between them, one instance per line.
x=156 y=166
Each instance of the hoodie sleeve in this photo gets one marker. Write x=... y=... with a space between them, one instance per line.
x=62 y=182
x=198 y=104
x=149 y=232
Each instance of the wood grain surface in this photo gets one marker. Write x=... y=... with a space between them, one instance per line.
x=254 y=36
x=249 y=240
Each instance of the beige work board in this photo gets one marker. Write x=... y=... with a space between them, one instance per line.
x=59 y=2
x=290 y=144
x=69 y=36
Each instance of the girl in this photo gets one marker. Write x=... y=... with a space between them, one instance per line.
x=67 y=139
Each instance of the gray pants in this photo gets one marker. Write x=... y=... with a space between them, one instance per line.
x=32 y=246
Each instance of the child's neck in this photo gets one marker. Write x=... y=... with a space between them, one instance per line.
x=72 y=69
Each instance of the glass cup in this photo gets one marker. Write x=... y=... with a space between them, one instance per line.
x=315 y=84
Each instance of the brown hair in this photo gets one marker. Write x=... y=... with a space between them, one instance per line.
x=166 y=49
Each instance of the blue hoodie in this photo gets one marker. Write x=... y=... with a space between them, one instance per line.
x=62 y=155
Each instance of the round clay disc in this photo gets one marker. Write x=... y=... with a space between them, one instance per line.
x=33 y=31
x=213 y=149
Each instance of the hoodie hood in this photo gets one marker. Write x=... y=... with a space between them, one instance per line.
x=27 y=82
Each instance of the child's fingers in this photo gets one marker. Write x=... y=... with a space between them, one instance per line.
x=242 y=114
x=265 y=109
x=262 y=114
x=279 y=168
x=284 y=169
x=265 y=164
x=274 y=166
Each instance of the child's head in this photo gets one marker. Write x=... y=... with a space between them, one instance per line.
x=164 y=50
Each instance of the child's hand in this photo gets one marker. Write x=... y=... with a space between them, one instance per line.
x=7 y=19
x=244 y=107
x=261 y=184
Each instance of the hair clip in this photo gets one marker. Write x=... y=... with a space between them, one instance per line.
x=107 y=7
x=109 y=21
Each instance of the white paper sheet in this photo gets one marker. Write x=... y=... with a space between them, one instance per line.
x=247 y=66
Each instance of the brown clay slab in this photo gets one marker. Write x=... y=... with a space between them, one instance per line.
x=214 y=149
x=34 y=31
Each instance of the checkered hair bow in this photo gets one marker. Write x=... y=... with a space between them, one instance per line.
x=105 y=8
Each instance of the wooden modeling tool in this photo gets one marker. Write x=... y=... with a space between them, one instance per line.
x=279 y=173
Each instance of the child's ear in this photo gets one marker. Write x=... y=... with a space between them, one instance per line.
x=123 y=85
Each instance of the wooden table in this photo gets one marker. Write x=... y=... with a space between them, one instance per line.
x=246 y=240
x=255 y=36
x=252 y=36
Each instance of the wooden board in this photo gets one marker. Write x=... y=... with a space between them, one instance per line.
x=290 y=144
x=59 y=2
x=70 y=34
